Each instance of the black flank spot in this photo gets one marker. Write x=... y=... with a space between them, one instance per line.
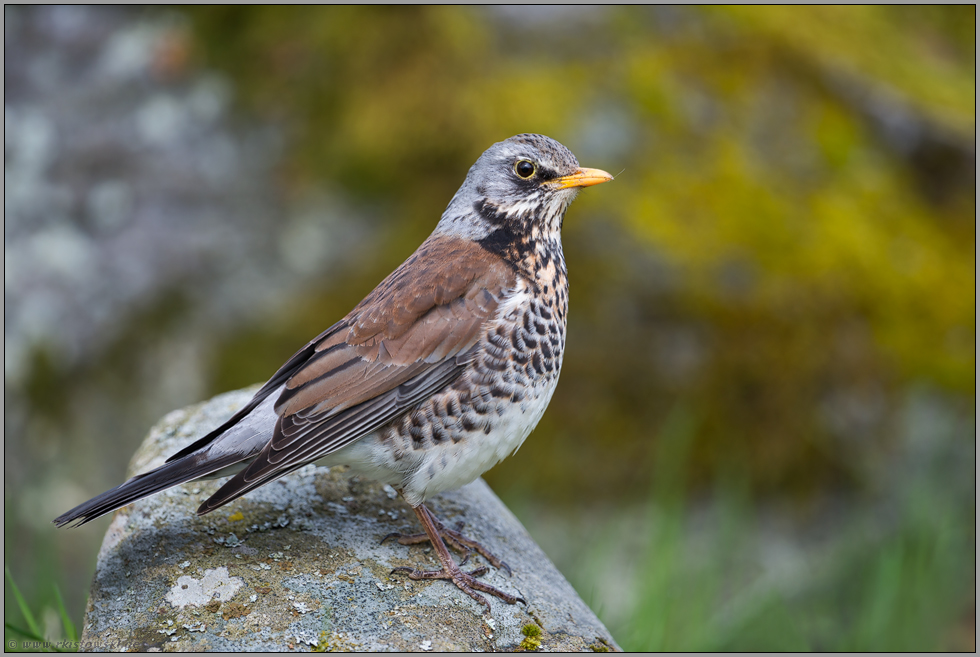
x=495 y=364
x=538 y=365
x=439 y=433
x=482 y=378
x=498 y=340
x=499 y=392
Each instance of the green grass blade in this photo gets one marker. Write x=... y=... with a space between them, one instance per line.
x=65 y=620
x=28 y=616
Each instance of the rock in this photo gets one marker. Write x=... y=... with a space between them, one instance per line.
x=298 y=565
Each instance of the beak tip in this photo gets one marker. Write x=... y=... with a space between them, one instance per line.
x=584 y=177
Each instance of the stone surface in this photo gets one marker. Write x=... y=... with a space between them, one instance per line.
x=298 y=565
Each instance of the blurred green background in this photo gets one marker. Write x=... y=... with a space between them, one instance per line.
x=764 y=436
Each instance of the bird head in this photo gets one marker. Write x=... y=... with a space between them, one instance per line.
x=519 y=188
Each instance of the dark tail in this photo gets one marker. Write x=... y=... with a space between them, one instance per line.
x=193 y=466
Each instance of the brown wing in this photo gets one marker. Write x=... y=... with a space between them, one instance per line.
x=411 y=337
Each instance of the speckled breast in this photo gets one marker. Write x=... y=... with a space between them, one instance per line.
x=486 y=414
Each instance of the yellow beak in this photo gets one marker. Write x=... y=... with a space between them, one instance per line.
x=582 y=178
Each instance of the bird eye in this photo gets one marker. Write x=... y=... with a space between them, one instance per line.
x=524 y=168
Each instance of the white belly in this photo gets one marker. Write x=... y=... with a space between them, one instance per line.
x=447 y=466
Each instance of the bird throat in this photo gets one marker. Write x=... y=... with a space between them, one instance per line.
x=527 y=236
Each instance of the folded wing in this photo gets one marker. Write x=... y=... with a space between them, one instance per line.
x=409 y=339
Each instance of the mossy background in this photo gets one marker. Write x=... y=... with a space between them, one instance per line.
x=781 y=281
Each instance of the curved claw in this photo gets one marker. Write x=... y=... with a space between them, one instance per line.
x=391 y=535
x=413 y=573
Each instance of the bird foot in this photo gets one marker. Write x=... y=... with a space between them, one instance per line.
x=456 y=540
x=438 y=534
x=466 y=581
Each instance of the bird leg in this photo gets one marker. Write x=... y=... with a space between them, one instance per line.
x=455 y=539
x=466 y=582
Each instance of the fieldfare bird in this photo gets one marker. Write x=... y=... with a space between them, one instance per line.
x=437 y=375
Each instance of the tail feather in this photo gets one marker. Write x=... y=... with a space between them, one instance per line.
x=193 y=466
x=234 y=488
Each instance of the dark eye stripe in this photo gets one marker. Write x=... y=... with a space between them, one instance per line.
x=547 y=174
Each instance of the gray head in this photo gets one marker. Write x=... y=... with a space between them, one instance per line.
x=520 y=187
